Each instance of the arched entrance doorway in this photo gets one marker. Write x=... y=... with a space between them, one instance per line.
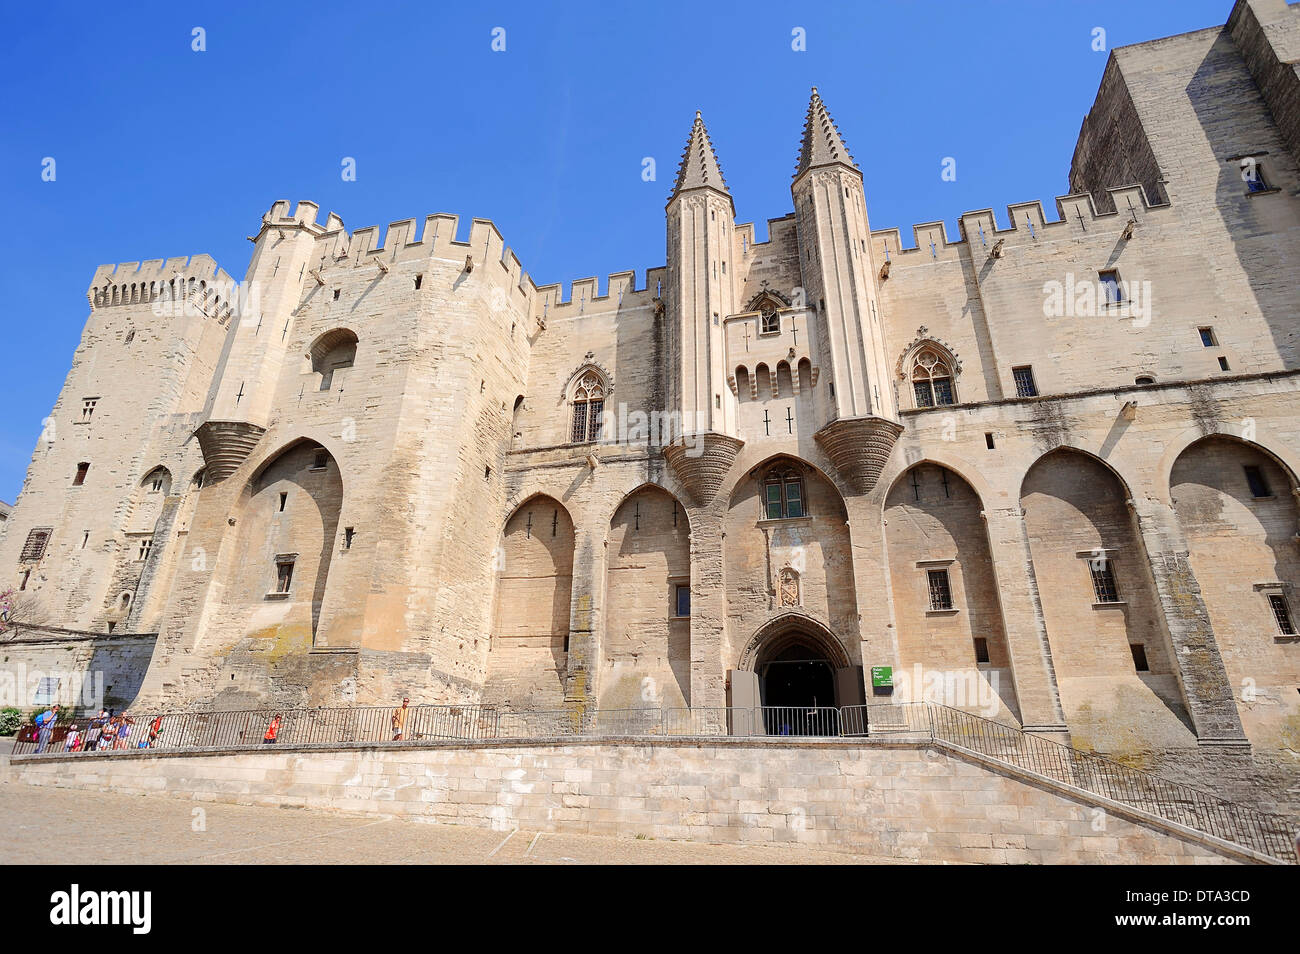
x=796 y=684
x=797 y=673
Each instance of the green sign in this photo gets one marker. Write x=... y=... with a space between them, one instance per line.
x=882 y=676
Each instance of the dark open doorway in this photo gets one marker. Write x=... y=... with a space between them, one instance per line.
x=797 y=687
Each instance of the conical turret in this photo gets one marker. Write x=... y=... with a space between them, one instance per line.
x=699 y=167
x=822 y=143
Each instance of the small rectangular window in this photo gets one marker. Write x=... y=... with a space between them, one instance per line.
x=146 y=547
x=283 y=576
x=418 y=280
x=1110 y=284
x=1139 y=657
x=320 y=460
x=88 y=408
x=1223 y=364
x=1025 y=384
x=34 y=548
x=46 y=690
x=82 y=470
x=284 y=499
x=1281 y=614
x=988 y=440
x=682 y=600
x=981 y=649
x=1207 y=337
x=1103 y=580
x=1255 y=479
x=348 y=534
x=336 y=294
x=940 y=590
x=1252 y=174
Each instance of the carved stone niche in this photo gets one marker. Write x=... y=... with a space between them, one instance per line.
x=226 y=445
x=702 y=461
x=859 y=447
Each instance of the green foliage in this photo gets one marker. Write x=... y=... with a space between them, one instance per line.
x=11 y=718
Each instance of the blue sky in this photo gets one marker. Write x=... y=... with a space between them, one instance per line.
x=163 y=151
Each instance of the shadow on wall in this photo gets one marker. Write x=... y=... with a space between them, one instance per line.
x=1265 y=229
x=123 y=664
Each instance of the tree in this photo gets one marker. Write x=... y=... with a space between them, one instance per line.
x=18 y=610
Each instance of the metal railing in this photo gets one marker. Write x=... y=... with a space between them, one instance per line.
x=1193 y=808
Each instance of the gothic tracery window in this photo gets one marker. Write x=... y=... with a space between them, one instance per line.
x=769 y=320
x=932 y=379
x=588 y=408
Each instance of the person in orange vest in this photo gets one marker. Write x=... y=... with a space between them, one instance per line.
x=272 y=730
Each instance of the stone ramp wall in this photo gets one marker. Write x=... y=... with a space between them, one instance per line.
x=903 y=800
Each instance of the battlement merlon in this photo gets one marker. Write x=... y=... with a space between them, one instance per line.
x=1078 y=216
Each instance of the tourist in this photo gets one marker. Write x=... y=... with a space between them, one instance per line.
x=45 y=727
x=94 y=730
x=155 y=730
x=272 y=731
x=73 y=741
x=399 y=721
x=108 y=734
x=124 y=724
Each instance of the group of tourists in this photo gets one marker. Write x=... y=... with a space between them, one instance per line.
x=105 y=731
x=108 y=731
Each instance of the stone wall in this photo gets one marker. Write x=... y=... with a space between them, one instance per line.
x=894 y=800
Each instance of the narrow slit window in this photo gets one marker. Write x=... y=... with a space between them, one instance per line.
x=981 y=649
x=145 y=548
x=284 y=499
x=1139 y=657
x=82 y=469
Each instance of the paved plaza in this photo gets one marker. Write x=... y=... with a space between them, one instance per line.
x=55 y=826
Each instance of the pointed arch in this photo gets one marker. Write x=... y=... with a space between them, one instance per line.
x=944 y=587
x=646 y=608
x=287 y=519
x=531 y=616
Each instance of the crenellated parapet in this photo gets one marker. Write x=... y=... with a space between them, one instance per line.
x=186 y=285
x=1077 y=217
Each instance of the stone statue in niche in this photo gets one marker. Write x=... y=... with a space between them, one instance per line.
x=788 y=586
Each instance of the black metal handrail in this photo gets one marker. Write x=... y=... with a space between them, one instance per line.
x=1262 y=832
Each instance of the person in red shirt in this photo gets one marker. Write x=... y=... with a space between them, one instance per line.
x=272 y=731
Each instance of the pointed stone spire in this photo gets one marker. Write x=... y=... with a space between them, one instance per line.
x=699 y=168
x=822 y=143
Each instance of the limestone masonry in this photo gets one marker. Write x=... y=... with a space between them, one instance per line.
x=1044 y=469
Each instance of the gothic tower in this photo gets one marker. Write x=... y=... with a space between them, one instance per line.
x=840 y=283
x=700 y=293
